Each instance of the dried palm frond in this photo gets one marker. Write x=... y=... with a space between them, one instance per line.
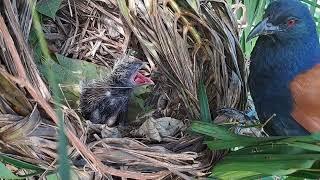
x=190 y=45
x=88 y=30
x=17 y=135
x=20 y=29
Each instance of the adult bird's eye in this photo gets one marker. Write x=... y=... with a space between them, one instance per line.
x=291 y=22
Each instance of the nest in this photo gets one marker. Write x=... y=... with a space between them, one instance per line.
x=185 y=44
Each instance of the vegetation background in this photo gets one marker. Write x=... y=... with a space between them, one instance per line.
x=55 y=57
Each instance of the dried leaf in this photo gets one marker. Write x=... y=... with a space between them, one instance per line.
x=156 y=129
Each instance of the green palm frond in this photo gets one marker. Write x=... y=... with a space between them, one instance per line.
x=258 y=157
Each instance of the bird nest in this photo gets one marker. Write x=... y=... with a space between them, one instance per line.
x=185 y=44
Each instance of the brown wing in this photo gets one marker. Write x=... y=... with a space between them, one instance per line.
x=305 y=89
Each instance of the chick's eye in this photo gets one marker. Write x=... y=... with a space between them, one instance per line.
x=291 y=22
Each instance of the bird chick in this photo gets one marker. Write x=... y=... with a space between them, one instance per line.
x=106 y=101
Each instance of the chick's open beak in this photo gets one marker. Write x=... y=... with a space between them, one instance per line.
x=142 y=77
x=263 y=28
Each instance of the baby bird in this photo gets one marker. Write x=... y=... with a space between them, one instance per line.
x=106 y=101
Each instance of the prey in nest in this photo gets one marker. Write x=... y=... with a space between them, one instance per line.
x=106 y=101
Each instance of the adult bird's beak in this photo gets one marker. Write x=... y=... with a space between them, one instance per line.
x=263 y=28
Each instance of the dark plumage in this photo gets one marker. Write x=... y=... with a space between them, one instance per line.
x=285 y=72
x=106 y=101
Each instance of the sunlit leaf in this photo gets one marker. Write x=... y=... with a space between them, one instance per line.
x=6 y=173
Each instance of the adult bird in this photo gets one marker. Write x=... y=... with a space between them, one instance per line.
x=106 y=101
x=285 y=69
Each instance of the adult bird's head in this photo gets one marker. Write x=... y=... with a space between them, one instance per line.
x=285 y=20
x=130 y=72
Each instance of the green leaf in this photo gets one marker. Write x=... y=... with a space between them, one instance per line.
x=63 y=160
x=71 y=71
x=138 y=91
x=263 y=156
x=51 y=7
x=271 y=148
x=306 y=146
x=48 y=7
x=139 y=101
x=313 y=3
x=55 y=176
x=34 y=170
x=255 y=10
x=316 y=136
x=212 y=130
x=204 y=104
x=6 y=173
x=271 y=157
x=68 y=73
x=18 y=163
x=237 y=175
x=245 y=141
x=221 y=133
x=275 y=167
x=310 y=174
x=52 y=177
x=139 y=97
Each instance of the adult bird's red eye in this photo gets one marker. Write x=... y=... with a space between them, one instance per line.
x=291 y=22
